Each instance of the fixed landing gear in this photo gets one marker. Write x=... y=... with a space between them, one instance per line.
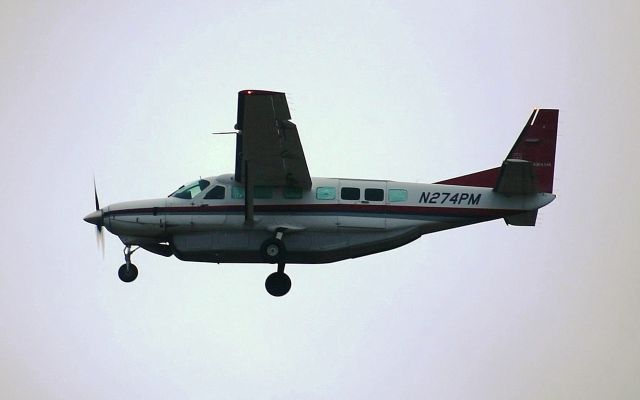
x=278 y=283
x=127 y=271
x=273 y=251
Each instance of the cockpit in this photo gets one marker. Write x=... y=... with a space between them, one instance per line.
x=191 y=190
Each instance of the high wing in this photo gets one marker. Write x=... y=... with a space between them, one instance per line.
x=268 y=148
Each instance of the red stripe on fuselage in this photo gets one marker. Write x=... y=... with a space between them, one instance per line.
x=328 y=208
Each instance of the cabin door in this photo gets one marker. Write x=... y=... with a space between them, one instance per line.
x=361 y=204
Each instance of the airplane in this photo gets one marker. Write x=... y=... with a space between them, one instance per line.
x=270 y=210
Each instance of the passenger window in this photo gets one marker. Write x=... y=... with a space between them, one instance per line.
x=217 y=193
x=263 y=192
x=350 y=193
x=374 y=194
x=237 y=192
x=326 y=193
x=292 y=193
x=397 y=195
x=259 y=192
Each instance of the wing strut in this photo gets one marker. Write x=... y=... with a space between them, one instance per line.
x=248 y=194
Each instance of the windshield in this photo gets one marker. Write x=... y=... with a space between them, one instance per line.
x=190 y=190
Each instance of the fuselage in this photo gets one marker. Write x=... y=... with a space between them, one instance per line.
x=336 y=219
x=286 y=216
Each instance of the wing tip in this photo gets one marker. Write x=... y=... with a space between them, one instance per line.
x=254 y=92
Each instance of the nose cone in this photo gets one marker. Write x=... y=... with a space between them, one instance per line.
x=94 y=218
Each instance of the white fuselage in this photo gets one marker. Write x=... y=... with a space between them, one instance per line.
x=336 y=219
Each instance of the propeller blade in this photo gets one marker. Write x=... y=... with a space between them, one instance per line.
x=95 y=194
x=100 y=240
x=96 y=218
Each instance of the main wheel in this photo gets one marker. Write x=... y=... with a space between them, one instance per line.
x=278 y=284
x=272 y=250
x=128 y=274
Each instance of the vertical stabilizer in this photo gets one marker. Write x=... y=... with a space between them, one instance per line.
x=537 y=146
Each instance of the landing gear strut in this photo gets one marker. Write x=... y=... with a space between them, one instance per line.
x=278 y=283
x=128 y=272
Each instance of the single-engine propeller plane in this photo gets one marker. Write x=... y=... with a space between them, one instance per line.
x=271 y=210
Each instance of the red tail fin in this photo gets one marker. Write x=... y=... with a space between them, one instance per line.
x=536 y=143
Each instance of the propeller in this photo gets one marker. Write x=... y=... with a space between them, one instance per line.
x=96 y=219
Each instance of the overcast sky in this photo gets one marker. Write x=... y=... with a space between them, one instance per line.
x=406 y=91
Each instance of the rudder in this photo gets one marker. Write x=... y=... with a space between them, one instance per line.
x=537 y=144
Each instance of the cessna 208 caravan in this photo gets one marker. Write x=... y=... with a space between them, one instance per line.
x=271 y=210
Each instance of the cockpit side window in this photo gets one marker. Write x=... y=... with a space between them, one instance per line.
x=237 y=192
x=190 y=190
x=217 y=193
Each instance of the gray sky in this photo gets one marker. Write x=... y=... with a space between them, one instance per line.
x=412 y=92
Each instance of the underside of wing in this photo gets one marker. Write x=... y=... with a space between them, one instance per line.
x=268 y=146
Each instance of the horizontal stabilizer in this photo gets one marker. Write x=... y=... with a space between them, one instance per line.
x=525 y=219
x=516 y=177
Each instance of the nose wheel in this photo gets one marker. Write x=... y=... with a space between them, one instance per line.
x=278 y=283
x=127 y=271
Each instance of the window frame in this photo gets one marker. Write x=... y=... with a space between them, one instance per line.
x=237 y=192
x=292 y=193
x=351 y=189
x=368 y=191
x=202 y=184
x=405 y=196
x=329 y=189
x=224 y=193
x=263 y=192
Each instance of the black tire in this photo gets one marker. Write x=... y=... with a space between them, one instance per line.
x=278 y=284
x=128 y=274
x=273 y=251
